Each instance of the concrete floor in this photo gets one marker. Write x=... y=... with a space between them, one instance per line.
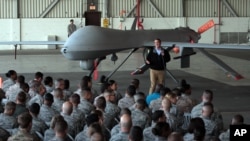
x=231 y=96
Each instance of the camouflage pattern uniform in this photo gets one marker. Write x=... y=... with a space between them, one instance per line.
x=115 y=130
x=49 y=134
x=12 y=92
x=155 y=104
x=79 y=117
x=7 y=122
x=112 y=109
x=141 y=119
x=71 y=124
x=147 y=133
x=46 y=113
x=82 y=136
x=57 y=104
x=38 y=125
x=4 y=134
x=67 y=138
x=36 y=99
x=126 y=102
x=86 y=107
x=185 y=104
x=120 y=137
x=20 y=108
x=7 y=83
x=225 y=136
x=23 y=135
x=210 y=126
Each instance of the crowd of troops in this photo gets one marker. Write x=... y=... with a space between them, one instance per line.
x=47 y=110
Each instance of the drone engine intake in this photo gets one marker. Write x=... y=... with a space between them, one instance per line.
x=87 y=64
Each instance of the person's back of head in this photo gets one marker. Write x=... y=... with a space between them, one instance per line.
x=175 y=136
x=195 y=123
x=139 y=95
x=9 y=108
x=164 y=91
x=100 y=103
x=126 y=123
x=136 y=134
x=75 y=99
x=237 y=120
x=92 y=118
x=135 y=82
x=141 y=104
x=21 y=98
x=104 y=87
x=125 y=111
x=199 y=133
x=85 y=82
x=11 y=74
x=25 y=87
x=59 y=83
x=54 y=120
x=185 y=87
x=48 y=99
x=48 y=81
x=21 y=79
x=34 y=109
x=86 y=93
x=172 y=97
x=66 y=84
x=24 y=121
x=58 y=93
x=95 y=132
x=61 y=127
x=161 y=129
x=67 y=108
x=158 y=116
x=131 y=90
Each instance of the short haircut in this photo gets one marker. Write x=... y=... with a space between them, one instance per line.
x=55 y=119
x=135 y=82
x=195 y=123
x=34 y=108
x=92 y=118
x=157 y=114
x=84 y=82
x=158 y=39
x=160 y=128
x=47 y=80
x=158 y=88
x=21 y=79
x=24 y=120
x=61 y=126
x=75 y=99
x=49 y=97
x=125 y=111
x=100 y=102
x=104 y=86
x=25 y=86
x=141 y=103
x=21 y=97
x=131 y=90
x=136 y=133
x=71 y=20
x=239 y=118
x=10 y=106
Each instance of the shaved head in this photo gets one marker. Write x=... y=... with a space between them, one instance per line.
x=126 y=123
x=67 y=108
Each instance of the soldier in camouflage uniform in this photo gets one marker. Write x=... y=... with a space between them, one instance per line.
x=77 y=114
x=50 y=133
x=61 y=132
x=158 y=116
x=13 y=90
x=139 y=117
x=85 y=105
x=210 y=125
x=12 y=76
x=58 y=99
x=126 y=124
x=25 y=123
x=67 y=109
x=20 y=104
x=38 y=125
x=128 y=100
x=111 y=107
x=46 y=111
x=39 y=91
x=7 y=120
x=236 y=120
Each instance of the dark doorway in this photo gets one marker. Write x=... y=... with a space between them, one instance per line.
x=92 y=18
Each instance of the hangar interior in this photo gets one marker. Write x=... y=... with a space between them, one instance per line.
x=33 y=20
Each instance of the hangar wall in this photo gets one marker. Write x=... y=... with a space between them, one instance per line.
x=39 y=29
